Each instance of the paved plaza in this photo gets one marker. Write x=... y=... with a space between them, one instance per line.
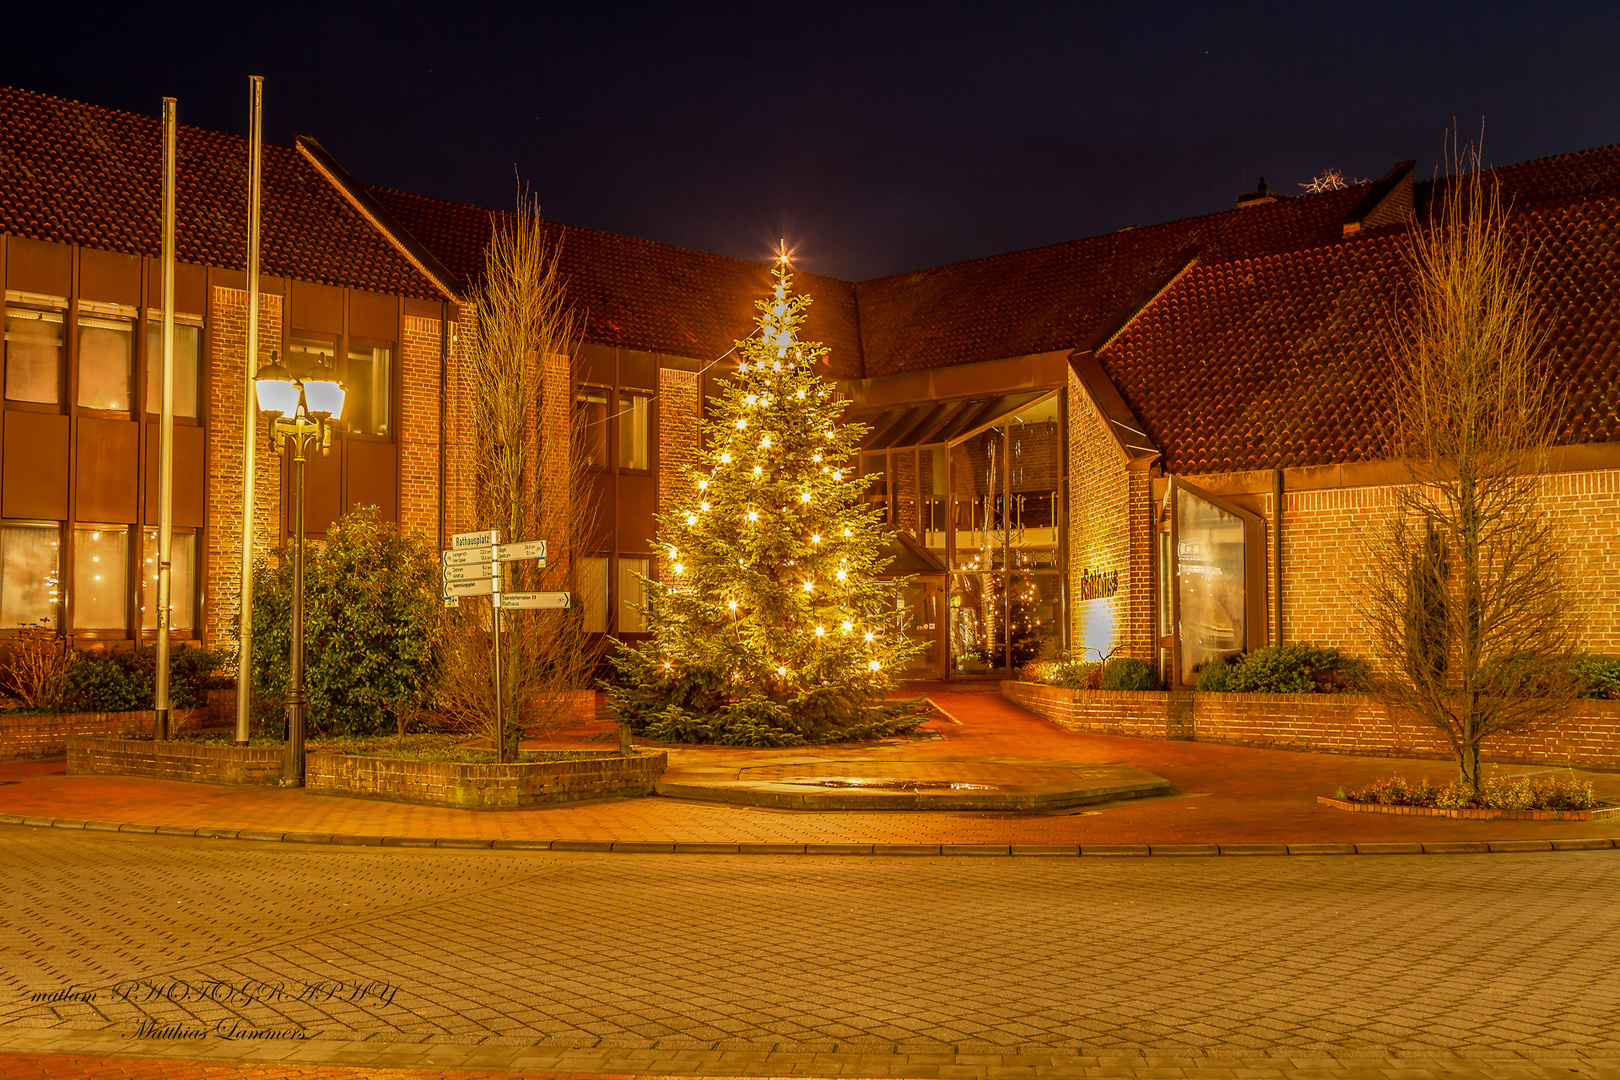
x=647 y=964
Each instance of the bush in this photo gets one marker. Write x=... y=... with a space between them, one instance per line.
x=1296 y=669
x=1600 y=675
x=101 y=681
x=1215 y=676
x=1129 y=673
x=1499 y=793
x=1068 y=671
x=373 y=625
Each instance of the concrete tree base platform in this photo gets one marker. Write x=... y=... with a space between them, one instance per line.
x=824 y=783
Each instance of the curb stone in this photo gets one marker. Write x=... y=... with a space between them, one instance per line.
x=666 y=847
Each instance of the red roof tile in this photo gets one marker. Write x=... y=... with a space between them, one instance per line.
x=636 y=294
x=78 y=174
x=1280 y=360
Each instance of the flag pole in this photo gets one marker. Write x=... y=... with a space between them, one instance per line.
x=160 y=726
x=244 y=666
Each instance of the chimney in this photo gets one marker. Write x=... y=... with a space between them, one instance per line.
x=1387 y=202
x=1260 y=197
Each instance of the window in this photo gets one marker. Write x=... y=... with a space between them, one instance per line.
x=366 y=405
x=33 y=355
x=100 y=573
x=106 y=362
x=591 y=408
x=631 y=593
x=1220 y=572
x=635 y=427
x=187 y=353
x=30 y=574
x=182 y=595
x=593 y=574
x=308 y=353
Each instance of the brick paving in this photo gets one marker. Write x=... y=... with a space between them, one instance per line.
x=1225 y=794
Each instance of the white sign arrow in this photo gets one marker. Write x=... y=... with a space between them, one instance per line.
x=466 y=556
x=481 y=587
x=528 y=549
x=473 y=572
x=475 y=539
x=519 y=600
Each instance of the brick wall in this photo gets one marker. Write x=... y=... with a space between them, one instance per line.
x=677 y=441
x=591 y=775
x=42 y=735
x=419 y=428
x=1109 y=530
x=222 y=571
x=1332 y=723
x=196 y=762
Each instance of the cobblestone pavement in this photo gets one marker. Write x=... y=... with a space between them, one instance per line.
x=1224 y=794
x=601 y=964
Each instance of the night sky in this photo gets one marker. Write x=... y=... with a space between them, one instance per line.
x=878 y=138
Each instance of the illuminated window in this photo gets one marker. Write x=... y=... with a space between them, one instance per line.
x=100 y=577
x=632 y=593
x=30 y=575
x=33 y=355
x=182 y=595
x=369 y=389
x=187 y=352
x=106 y=362
x=591 y=408
x=308 y=353
x=634 y=419
x=593 y=579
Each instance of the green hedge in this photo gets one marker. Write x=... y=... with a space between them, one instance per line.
x=1286 y=669
x=1601 y=674
x=100 y=681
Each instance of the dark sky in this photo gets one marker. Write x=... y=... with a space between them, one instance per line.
x=878 y=138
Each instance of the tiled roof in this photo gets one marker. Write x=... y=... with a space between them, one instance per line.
x=636 y=294
x=1280 y=360
x=1058 y=297
x=78 y=174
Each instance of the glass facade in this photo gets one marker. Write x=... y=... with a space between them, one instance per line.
x=979 y=486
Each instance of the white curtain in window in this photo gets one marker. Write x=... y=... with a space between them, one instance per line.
x=30 y=575
x=593 y=574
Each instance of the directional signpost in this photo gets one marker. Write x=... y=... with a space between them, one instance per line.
x=472 y=567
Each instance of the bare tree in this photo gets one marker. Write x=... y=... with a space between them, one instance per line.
x=1470 y=597
x=528 y=470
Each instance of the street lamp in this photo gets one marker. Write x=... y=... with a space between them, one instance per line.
x=300 y=411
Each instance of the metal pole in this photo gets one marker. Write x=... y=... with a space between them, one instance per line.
x=495 y=624
x=244 y=655
x=166 y=434
x=292 y=759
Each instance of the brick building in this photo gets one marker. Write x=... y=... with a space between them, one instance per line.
x=1040 y=420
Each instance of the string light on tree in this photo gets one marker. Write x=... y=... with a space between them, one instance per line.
x=792 y=549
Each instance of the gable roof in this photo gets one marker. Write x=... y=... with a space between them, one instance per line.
x=77 y=174
x=637 y=294
x=1281 y=360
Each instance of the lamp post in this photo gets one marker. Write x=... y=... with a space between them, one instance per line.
x=301 y=411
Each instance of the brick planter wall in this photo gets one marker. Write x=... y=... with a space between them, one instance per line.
x=41 y=735
x=592 y=775
x=1334 y=723
x=178 y=760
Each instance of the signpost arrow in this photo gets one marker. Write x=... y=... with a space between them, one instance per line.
x=528 y=549
x=465 y=557
x=481 y=587
x=520 y=600
x=469 y=573
x=483 y=538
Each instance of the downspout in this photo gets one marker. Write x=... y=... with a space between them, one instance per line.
x=444 y=407
x=1276 y=553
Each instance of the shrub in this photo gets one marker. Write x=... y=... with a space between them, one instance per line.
x=1499 y=793
x=1129 y=673
x=1296 y=669
x=373 y=623
x=1215 y=676
x=35 y=669
x=101 y=681
x=1601 y=676
x=1068 y=671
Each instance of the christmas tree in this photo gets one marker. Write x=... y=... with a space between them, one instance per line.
x=770 y=625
